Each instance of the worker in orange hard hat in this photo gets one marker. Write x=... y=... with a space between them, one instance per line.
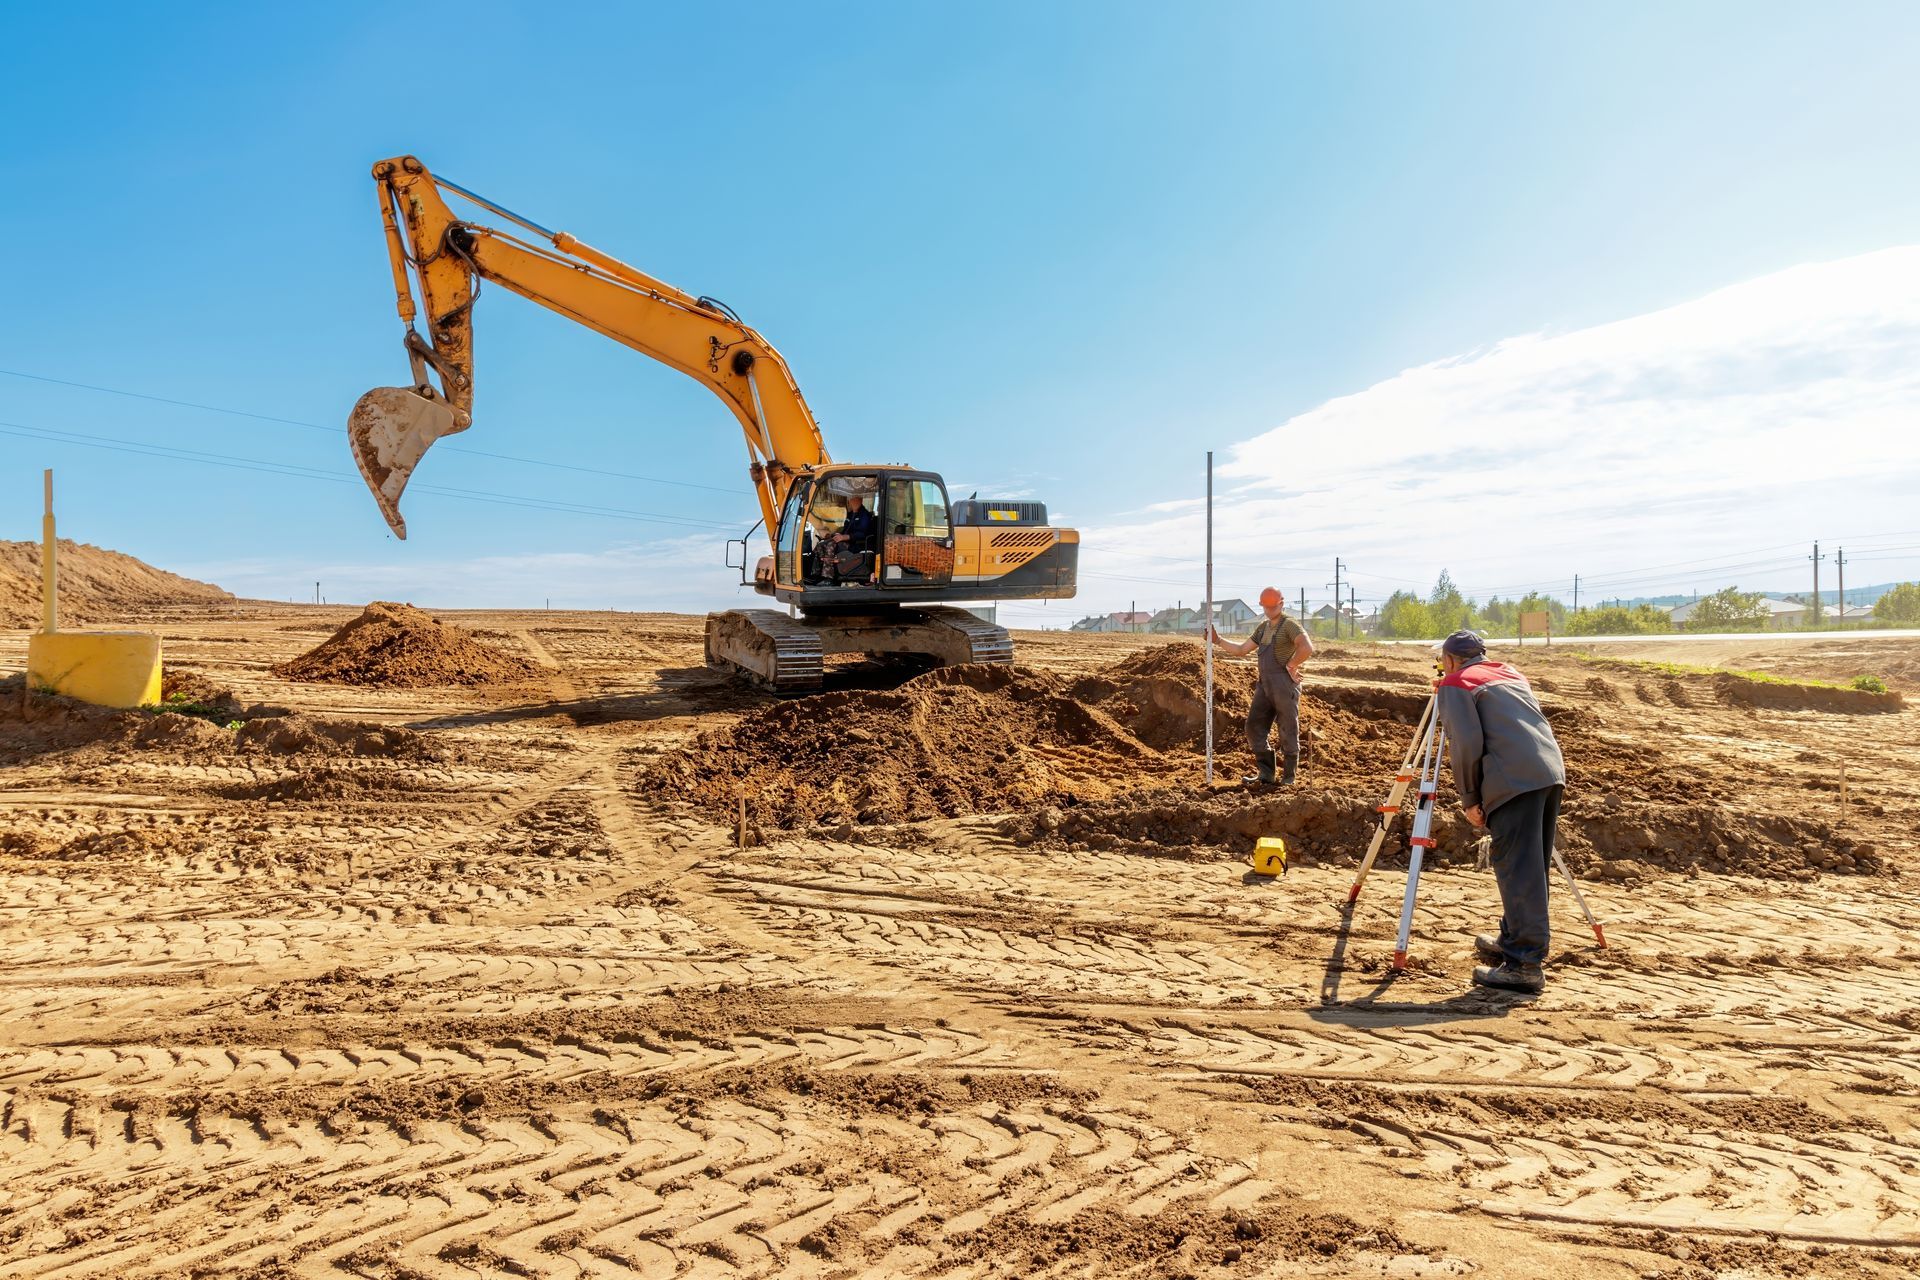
x=1283 y=648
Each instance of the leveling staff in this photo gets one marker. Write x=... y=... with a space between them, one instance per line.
x=1510 y=774
x=1283 y=648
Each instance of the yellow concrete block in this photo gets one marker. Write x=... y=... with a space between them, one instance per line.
x=106 y=668
x=1270 y=856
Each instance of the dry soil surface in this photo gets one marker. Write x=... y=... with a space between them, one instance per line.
x=475 y=981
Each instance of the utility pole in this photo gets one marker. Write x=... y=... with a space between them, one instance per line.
x=316 y=593
x=1840 y=564
x=1335 y=584
x=1816 y=557
x=1301 y=617
x=1133 y=614
x=1206 y=638
x=1576 y=593
x=1354 y=603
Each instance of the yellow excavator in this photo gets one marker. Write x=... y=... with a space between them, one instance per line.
x=858 y=583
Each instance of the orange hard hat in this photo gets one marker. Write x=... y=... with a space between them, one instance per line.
x=1270 y=596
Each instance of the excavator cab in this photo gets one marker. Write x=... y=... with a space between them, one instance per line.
x=911 y=550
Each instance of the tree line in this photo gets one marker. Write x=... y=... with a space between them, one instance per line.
x=1406 y=615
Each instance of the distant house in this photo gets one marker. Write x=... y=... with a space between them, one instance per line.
x=1169 y=622
x=1111 y=622
x=1786 y=614
x=1349 y=617
x=1233 y=617
x=1851 y=612
x=1782 y=615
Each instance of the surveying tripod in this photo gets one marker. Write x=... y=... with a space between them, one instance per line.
x=1421 y=764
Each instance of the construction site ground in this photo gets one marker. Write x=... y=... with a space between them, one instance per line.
x=500 y=995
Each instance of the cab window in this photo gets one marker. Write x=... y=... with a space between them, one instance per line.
x=918 y=550
x=828 y=511
x=916 y=508
x=786 y=552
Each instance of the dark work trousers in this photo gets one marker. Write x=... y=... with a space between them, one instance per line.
x=1275 y=700
x=1522 y=830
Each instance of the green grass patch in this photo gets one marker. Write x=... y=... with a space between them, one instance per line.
x=1866 y=684
x=185 y=705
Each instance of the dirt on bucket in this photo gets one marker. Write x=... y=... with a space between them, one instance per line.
x=397 y=646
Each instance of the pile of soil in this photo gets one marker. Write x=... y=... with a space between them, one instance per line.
x=97 y=587
x=397 y=646
x=202 y=727
x=957 y=740
x=1602 y=838
x=988 y=739
x=1110 y=761
x=1741 y=692
x=298 y=735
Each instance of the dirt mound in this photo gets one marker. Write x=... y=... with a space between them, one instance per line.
x=181 y=686
x=192 y=729
x=187 y=735
x=295 y=735
x=1110 y=762
x=957 y=740
x=1158 y=694
x=97 y=586
x=1741 y=692
x=1599 y=837
x=397 y=646
x=987 y=739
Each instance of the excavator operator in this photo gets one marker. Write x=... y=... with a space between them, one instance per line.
x=847 y=556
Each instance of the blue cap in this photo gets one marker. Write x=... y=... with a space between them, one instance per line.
x=1463 y=644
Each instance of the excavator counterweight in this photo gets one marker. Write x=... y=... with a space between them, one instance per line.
x=868 y=557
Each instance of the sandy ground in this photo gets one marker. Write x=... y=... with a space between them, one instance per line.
x=506 y=1012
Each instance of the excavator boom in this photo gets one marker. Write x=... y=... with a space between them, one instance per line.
x=391 y=428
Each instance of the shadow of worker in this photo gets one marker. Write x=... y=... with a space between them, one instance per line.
x=1375 y=1008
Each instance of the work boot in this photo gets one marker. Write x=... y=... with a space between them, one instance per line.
x=1489 y=947
x=1288 y=764
x=1508 y=976
x=1264 y=759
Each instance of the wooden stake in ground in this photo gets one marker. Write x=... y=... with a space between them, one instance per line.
x=1843 y=791
x=740 y=792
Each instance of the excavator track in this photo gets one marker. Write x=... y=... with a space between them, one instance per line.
x=773 y=650
x=787 y=655
x=986 y=641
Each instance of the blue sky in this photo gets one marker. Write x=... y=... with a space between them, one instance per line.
x=1052 y=249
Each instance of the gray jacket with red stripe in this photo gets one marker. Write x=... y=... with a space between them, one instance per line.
x=1499 y=740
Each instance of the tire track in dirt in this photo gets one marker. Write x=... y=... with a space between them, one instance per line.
x=957 y=1055
x=751 y=1185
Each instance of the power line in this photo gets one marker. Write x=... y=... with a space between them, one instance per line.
x=315 y=426
x=298 y=471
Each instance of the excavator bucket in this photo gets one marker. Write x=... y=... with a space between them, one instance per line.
x=391 y=428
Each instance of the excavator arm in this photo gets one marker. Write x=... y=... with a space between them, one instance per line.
x=391 y=428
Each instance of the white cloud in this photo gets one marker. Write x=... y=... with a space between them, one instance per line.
x=1716 y=431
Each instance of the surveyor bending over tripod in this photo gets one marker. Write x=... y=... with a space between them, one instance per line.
x=1510 y=774
x=1283 y=648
